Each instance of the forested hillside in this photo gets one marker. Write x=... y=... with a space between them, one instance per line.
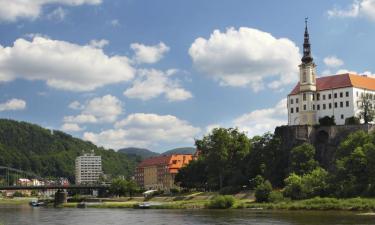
x=32 y=148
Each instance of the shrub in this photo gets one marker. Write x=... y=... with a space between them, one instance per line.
x=221 y=202
x=352 y=121
x=276 y=196
x=18 y=194
x=327 y=121
x=293 y=187
x=230 y=190
x=77 y=198
x=174 y=191
x=263 y=191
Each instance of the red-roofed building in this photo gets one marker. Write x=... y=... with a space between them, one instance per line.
x=159 y=172
x=338 y=95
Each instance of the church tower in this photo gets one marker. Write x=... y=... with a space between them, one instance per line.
x=307 y=84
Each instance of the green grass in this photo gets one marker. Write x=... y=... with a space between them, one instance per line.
x=352 y=204
x=15 y=201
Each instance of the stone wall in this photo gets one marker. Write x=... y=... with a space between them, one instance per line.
x=326 y=139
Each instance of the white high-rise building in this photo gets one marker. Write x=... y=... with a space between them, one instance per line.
x=88 y=169
x=338 y=95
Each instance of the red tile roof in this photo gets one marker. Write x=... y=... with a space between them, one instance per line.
x=341 y=81
x=159 y=160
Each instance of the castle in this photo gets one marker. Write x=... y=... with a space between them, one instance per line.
x=314 y=98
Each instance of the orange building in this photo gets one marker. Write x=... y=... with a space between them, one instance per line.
x=159 y=172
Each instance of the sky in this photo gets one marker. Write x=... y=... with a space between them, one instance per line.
x=160 y=74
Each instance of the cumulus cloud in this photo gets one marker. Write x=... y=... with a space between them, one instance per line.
x=149 y=54
x=358 y=8
x=333 y=61
x=115 y=23
x=245 y=57
x=152 y=83
x=104 y=109
x=144 y=130
x=63 y=65
x=98 y=43
x=13 y=10
x=13 y=104
x=71 y=127
x=57 y=14
x=260 y=121
x=76 y=105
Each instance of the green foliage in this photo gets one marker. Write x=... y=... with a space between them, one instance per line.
x=302 y=159
x=276 y=196
x=327 y=121
x=193 y=176
x=221 y=202
x=309 y=185
x=352 y=121
x=263 y=191
x=52 y=153
x=121 y=187
x=18 y=194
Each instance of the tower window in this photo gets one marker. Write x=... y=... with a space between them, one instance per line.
x=304 y=77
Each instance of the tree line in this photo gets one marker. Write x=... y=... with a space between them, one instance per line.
x=230 y=161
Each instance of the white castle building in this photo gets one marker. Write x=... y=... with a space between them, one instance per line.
x=338 y=95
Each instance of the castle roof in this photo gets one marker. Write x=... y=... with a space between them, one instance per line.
x=341 y=81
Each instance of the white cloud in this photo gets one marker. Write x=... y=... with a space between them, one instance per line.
x=367 y=73
x=260 y=121
x=104 y=109
x=71 y=127
x=333 y=61
x=149 y=54
x=62 y=65
x=13 y=104
x=115 y=23
x=98 y=43
x=76 y=105
x=144 y=130
x=358 y=8
x=245 y=57
x=153 y=83
x=57 y=14
x=12 y=10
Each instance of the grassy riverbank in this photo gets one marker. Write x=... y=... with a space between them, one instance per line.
x=15 y=201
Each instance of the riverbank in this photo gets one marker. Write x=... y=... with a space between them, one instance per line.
x=15 y=201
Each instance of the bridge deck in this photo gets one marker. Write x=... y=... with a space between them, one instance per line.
x=56 y=187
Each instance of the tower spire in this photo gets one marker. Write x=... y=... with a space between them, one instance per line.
x=307 y=58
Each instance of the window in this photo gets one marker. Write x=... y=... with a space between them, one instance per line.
x=313 y=96
x=330 y=105
x=335 y=104
x=313 y=107
x=342 y=116
x=324 y=97
x=341 y=105
x=291 y=101
x=297 y=109
x=291 y=110
x=347 y=94
x=303 y=77
x=341 y=95
x=347 y=103
x=335 y=95
x=318 y=107
x=296 y=100
x=304 y=97
x=324 y=106
x=304 y=107
x=317 y=97
x=329 y=96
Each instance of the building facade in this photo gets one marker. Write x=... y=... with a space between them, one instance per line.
x=88 y=169
x=337 y=95
x=158 y=173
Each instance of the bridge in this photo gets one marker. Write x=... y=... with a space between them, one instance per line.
x=55 y=187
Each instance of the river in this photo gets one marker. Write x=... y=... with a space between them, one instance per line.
x=49 y=216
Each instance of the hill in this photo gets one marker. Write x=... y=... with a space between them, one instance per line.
x=32 y=148
x=184 y=150
x=140 y=152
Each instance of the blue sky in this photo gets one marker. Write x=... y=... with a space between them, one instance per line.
x=158 y=74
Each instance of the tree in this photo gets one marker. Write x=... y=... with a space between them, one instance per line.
x=118 y=187
x=327 y=121
x=302 y=159
x=367 y=111
x=223 y=152
x=263 y=191
x=352 y=121
x=193 y=175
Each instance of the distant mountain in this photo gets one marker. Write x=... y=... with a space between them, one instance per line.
x=140 y=152
x=184 y=150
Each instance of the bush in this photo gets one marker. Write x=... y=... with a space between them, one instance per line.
x=293 y=187
x=18 y=194
x=327 y=121
x=263 y=191
x=174 y=191
x=77 y=198
x=221 y=202
x=230 y=190
x=276 y=196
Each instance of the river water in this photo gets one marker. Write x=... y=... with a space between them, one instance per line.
x=43 y=216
